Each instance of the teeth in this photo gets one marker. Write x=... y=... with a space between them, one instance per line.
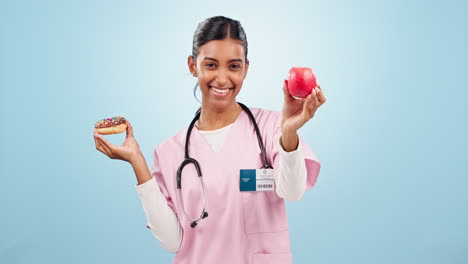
x=220 y=90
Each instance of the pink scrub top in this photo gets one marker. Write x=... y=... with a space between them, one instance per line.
x=242 y=227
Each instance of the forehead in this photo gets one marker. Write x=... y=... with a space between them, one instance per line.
x=222 y=49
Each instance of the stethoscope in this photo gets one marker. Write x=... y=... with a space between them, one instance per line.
x=189 y=160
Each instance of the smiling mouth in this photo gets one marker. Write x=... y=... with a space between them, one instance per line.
x=220 y=91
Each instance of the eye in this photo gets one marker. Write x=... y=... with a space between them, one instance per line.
x=210 y=65
x=235 y=66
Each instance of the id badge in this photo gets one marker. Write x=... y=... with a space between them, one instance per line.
x=253 y=180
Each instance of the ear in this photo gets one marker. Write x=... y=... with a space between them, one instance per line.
x=192 y=65
x=247 y=63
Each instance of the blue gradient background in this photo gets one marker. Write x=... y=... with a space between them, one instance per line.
x=391 y=137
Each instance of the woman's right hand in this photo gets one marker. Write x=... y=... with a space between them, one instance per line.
x=128 y=151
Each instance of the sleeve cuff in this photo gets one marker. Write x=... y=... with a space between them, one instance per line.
x=146 y=187
x=295 y=154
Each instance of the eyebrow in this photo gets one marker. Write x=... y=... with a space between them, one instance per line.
x=213 y=59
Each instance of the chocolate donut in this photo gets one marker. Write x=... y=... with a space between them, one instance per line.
x=114 y=125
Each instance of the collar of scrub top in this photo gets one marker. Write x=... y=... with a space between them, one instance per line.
x=189 y=160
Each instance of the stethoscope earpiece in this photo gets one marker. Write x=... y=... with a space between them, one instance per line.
x=195 y=223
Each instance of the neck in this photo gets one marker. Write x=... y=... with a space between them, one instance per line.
x=212 y=118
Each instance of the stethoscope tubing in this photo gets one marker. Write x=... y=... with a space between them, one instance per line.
x=189 y=160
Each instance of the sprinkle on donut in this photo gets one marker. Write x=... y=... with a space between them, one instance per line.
x=110 y=122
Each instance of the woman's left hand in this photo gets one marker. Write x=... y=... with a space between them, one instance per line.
x=296 y=112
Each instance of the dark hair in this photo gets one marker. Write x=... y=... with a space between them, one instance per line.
x=217 y=28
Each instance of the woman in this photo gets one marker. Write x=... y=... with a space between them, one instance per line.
x=242 y=226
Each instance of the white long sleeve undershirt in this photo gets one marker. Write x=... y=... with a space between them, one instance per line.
x=290 y=179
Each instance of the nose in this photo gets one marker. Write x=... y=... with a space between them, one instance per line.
x=222 y=77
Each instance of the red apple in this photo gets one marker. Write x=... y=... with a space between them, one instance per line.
x=301 y=81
